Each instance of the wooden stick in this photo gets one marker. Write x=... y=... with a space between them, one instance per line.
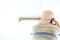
x=26 y=18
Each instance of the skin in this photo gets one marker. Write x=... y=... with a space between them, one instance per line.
x=49 y=14
x=44 y=16
x=57 y=24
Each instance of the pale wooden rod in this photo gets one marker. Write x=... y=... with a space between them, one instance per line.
x=30 y=18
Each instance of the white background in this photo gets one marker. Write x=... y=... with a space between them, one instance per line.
x=11 y=10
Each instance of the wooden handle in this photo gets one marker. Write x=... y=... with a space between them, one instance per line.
x=29 y=19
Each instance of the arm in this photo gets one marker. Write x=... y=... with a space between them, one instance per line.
x=57 y=24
